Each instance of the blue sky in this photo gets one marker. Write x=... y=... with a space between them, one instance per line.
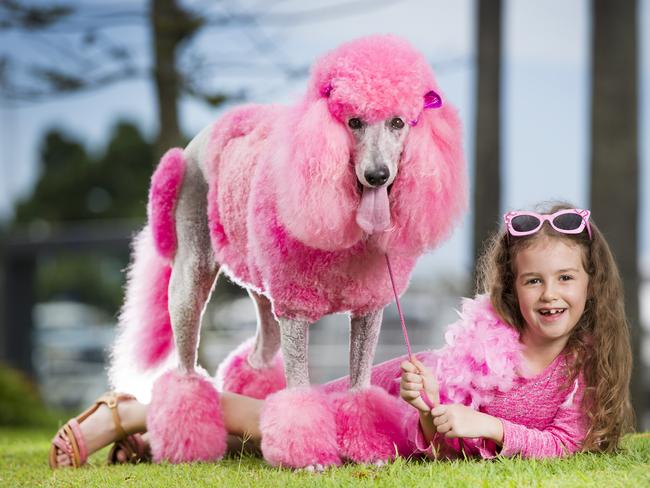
x=546 y=95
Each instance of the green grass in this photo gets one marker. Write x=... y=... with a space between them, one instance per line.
x=23 y=462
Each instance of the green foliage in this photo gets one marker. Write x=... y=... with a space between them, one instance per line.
x=24 y=454
x=74 y=185
x=20 y=404
x=58 y=194
x=123 y=174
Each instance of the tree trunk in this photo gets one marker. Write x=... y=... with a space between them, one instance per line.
x=487 y=178
x=614 y=154
x=168 y=27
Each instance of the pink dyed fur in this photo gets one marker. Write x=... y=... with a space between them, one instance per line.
x=145 y=335
x=165 y=186
x=316 y=153
x=282 y=204
x=427 y=178
x=298 y=429
x=236 y=375
x=144 y=338
x=369 y=425
x=283 y=194
x=184 y=420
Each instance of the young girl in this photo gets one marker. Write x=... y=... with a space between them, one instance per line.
x=551 y=277
x=539 y=366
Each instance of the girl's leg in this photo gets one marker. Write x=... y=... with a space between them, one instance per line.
x=98 y=430
x=241 y=418
x=241 y=415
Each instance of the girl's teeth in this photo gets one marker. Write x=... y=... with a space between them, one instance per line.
x=552 y=312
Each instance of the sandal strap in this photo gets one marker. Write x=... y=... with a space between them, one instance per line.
x=111 y=400
x=69 y=440
x=77 y=441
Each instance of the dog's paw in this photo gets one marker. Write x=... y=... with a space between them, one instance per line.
x=369 y=426
x=185 y=421
x=235 y=374
x=299 y=430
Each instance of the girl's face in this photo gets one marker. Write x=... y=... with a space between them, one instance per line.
x=551 y=285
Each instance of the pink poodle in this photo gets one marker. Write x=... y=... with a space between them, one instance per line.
x=299 y=204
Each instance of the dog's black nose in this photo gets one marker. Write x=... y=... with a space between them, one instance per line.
x=377 y=176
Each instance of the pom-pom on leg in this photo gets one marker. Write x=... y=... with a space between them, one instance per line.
x=235 y=374
x=299 y=430
x=185 y=419
x=369 y=425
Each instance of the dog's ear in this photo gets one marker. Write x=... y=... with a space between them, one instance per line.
x=316 y=186
x=430 y=191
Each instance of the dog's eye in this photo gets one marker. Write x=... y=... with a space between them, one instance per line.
x=355 y=123
x=397 y=123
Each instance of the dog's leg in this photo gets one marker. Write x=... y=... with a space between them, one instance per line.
x=255 y=368
x=364 y=333
x=298 y=424
x=194 y=268
x=294 y=338
x=185 y=418
x=367 y=408
x=267 y=338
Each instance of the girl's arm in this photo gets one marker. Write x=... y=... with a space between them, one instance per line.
x=562 y=437
x=509 y=438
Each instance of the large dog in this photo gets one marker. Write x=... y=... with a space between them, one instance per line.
x=299 y=204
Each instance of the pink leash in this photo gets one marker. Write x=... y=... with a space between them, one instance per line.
x=424 y=396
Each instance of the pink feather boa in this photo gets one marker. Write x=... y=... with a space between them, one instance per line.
x=482 y=354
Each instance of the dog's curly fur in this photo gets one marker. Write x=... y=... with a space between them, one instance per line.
x=271 y=195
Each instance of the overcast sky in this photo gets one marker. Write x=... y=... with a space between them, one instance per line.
x=545 y=94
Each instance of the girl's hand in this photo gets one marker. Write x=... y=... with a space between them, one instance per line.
x=455 y=420
x=416 y=377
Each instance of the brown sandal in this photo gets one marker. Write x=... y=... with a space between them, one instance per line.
x=134 y=447
x=69 y=439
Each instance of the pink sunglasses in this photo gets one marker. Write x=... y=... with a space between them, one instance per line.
x=569 y=221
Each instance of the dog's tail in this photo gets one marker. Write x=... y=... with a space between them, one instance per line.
x=145 y=338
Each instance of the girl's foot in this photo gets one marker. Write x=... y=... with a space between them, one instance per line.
x=112 y=417
x=133 y=449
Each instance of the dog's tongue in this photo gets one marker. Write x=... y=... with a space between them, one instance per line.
x=373 y=214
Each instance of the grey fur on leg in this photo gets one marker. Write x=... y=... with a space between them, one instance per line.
x=294 y=349
x=267 y=338
x=364 y=334
x=194 y=269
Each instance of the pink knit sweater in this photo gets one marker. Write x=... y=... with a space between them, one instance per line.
x=540 y=416
x=478 y=367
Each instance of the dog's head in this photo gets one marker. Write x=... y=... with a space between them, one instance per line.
x=364 y=106
x=377 y=87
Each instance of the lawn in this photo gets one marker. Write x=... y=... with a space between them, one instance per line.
x=23 y=462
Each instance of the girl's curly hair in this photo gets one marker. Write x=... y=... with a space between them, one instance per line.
x=599 y=346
